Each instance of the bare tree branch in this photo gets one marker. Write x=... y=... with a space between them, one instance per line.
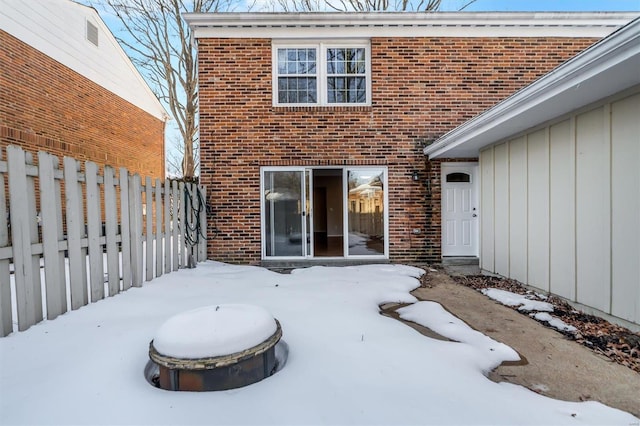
x=159 y=43
x=359 y=5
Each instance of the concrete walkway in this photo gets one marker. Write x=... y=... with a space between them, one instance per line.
x=555 y=366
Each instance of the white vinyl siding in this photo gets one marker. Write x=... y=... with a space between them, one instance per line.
x=569 y=193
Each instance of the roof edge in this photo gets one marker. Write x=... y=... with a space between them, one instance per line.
x=262 y=19
x=601 y=55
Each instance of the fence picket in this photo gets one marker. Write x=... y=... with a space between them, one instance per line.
x=52 y=235
x=75 y=232
x=148 y=199
x=135 y=216
x=94 y=231
x=26 y=271
x=111 y=230
x=158 y=239
x=125 y=229
x=176 y=221
x=182 y=214
x=6 y=325
x=167 y=226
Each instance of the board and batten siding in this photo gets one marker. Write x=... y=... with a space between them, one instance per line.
x=561 y=207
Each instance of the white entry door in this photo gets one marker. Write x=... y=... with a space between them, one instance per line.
x=459 y=209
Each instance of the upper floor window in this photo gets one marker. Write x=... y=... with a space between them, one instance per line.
x=321 y=74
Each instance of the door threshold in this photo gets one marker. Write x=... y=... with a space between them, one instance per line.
x=306 y=263
x=460 y=260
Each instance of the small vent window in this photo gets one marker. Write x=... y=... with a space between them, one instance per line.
x=458 y=178
x=92 y=33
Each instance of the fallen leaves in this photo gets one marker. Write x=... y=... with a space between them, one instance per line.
x=611 y=340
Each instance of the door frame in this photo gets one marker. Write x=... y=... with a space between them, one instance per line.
x=475 y=177
x=307 y=223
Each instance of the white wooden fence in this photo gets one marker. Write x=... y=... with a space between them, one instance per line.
x=52 y=260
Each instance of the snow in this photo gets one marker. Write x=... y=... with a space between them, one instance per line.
x=524 y=303
x=214 y=331
x=346 y=365
x=433 y=316
x=554 y=322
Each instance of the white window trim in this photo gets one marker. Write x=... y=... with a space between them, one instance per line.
x=321 y=69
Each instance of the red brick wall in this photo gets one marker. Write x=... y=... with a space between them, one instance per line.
x=421 y=88
x=45 y=106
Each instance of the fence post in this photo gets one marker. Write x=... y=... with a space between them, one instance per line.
x=6 y=325
x=148 y=200
x=75 y=232
x=52 y=235
x=135 y=216
x=111 y=230
x=24 y=232
x=202 y=244
x=125 y=229
x=94 y=231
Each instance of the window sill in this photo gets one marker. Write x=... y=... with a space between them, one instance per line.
x=322 y=108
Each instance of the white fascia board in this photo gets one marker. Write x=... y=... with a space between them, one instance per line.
x=437 y=24
x=621 y=48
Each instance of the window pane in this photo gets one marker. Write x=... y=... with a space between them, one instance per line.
x=346 y=90
x=283 y=217
x=296 y=90
x=366 y=211
x=346 y=75
x=296 y=75
x=346 y=61
x=458 y=177
x=296 y=61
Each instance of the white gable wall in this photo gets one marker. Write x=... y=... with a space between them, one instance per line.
x=561 y=207
x=57 y=28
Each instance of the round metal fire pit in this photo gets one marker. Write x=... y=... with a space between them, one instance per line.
x=217 y=372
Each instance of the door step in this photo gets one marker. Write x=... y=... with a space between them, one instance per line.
x=460 y=260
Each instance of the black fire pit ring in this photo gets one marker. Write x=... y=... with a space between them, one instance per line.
x=220 y=372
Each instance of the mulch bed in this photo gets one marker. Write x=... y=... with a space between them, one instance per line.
x=615 y=342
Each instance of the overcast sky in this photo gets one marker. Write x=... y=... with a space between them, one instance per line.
x=544 y=5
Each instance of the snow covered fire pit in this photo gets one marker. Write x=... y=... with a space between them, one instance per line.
x=216 y=348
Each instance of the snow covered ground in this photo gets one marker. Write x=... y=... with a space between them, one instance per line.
x=347 y=363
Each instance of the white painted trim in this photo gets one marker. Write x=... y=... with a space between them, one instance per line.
x=345 y=211
x=321 y=64
x=440 y=24
x=566 y=80
x=475 y=181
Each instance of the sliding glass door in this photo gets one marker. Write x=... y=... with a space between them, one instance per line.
x=284 y=212
x=324 y=212
x=366 y=212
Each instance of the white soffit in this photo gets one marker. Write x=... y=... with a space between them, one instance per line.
x=385 y=24
x=604 y=69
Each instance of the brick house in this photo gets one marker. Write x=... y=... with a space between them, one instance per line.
x=313 y=126
x=68 y=88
